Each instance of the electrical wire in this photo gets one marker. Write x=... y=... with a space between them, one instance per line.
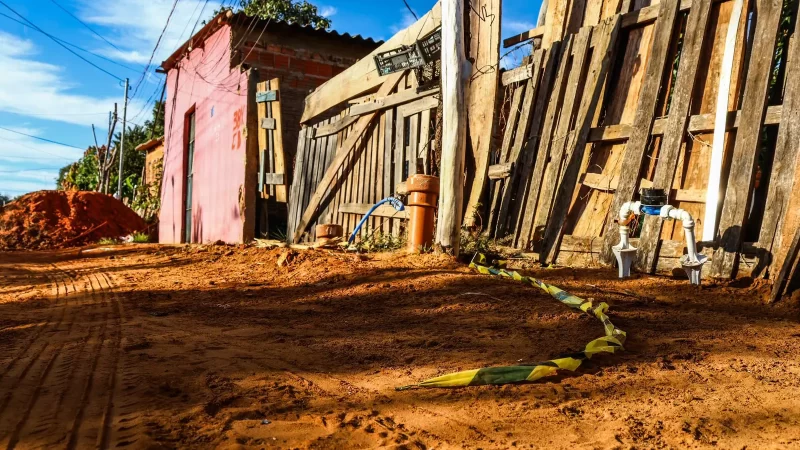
x=40 y=138
x=85 y=25
x=153 y=54
x=72 y=45
x=54 y=39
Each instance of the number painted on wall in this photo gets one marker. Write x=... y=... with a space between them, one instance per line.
x=238 y=126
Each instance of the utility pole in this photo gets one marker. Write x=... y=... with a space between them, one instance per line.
x=454 y=127
x=122 y=141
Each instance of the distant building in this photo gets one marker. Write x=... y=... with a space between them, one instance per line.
x=210 y=181
x=153 y=163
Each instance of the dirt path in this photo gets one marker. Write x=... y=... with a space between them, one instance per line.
x=172 y=347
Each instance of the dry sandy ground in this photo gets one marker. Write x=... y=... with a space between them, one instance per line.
x=195 y=347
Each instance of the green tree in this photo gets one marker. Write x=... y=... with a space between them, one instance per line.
x=301 y=12
x=81 y=175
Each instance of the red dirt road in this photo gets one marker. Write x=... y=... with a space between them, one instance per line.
x=194 y=347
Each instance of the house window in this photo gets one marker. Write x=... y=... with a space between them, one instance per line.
x=187 y=231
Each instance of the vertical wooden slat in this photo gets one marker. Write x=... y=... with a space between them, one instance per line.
x=388 y=149
x=269 y=163
x=425 y=137
x=413 y=143
x=520 y=140
x=277 y=142
x=545 y=141
x=505 y=149
x=787 y=149
x=399 y=146
x=295 y=202
x=642 y=121
x=261 y=109
x=675 y=130
x=748 y=137
x=569 y=108
x=597 y=74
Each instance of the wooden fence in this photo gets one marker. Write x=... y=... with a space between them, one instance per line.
x=630 y=102
x=395 y=143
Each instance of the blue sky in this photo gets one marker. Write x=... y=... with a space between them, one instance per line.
x=47 y=92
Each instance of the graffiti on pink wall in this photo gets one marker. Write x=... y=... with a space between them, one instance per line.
x=238 y=126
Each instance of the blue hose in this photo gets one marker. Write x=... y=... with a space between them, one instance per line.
x=394 y=201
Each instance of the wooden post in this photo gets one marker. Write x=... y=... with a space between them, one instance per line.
x=454 y=127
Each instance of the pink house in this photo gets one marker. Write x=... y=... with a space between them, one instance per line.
x=209 y=186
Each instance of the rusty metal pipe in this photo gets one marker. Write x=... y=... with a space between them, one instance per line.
x=423 y=195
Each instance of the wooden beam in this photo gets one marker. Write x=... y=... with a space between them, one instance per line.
x=266 y=96
x=454 y=127
x=642 y=121
x=423 y=104
x=500 y=171
x=748 y=137
x=384 y=210
x=522 y=37
x=675 y=130
x=521 y=73
x=348 y=148
x=698 y=124
x=335 y=127
x=389 y=101
x=788 y=268
x=277 y=141
x=482 y=93
x=362 y=76
x=784 y=163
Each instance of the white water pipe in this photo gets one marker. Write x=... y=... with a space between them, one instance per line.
x=628 y=209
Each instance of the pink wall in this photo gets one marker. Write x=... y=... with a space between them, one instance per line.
x=204 y=81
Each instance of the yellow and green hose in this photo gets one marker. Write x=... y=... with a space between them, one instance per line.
x=610 y=343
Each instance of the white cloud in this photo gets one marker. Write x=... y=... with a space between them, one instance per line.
x=38 y=89
x=136 y=26
x=327 y=11
x=514 y=27
x=406 y=21
x=29 y=165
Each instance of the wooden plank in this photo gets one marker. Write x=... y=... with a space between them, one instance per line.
x=569 y=108
x=521 y=137
x=677 y=121
x=742 y=171
x=388 y=148
x=382 y=211
x=423 y=104
x=787 y=150
x=362 y=76
x=505 y=148
x=398 y=159
x=389 y=101
x=274 y=178
x=266 y=96
x=482 y=93
x=521 y=73
x=413 y=144
x=330 y=153
x=500 y=171
x=362 y=125
x=336 y=126
x=277 y=141
x=261 y=110
x=591 y=101
x=642 y=122
x=522 y=37
x=718 y=145
x=425 y=139
x=788 y=268
x=525 y=167
x=295 y=203
x=268 y=123
x=523 y=236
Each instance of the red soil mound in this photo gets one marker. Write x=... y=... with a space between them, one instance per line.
x=53 y=219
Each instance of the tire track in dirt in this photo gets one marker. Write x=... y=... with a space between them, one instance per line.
x=63 y=395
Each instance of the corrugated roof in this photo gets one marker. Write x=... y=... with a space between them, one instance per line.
x=239 y=18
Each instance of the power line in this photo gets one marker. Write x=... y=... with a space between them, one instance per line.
x=72 y=45
x=58 y=42
x=41 y=138
x=85 y=25
x=153 y=54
